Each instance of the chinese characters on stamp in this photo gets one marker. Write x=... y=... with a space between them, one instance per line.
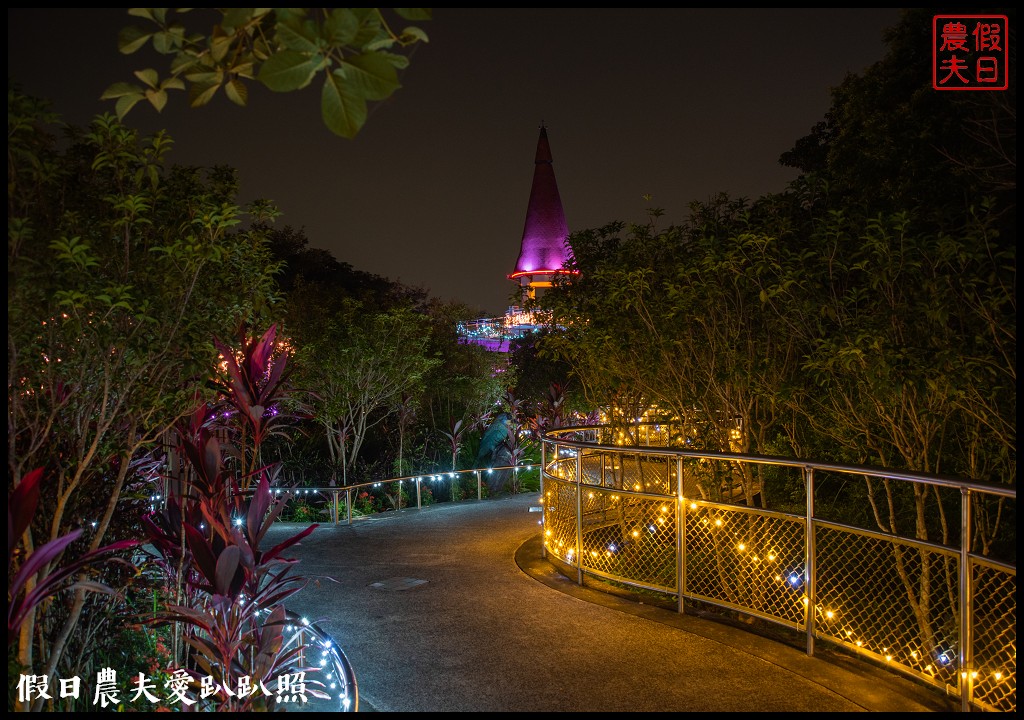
x=970 y=52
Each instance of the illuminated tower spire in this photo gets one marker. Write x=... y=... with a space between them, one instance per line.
x=543 y=251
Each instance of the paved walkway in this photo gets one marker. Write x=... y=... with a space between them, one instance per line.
x=494 y=628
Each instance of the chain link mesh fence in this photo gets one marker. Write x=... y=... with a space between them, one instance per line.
x=884 y=595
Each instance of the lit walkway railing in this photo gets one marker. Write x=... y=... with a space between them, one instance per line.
x=655 y=518
x=340 y=500
x=336 y=676
x=317 y=648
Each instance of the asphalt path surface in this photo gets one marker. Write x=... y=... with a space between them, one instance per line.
x=452 y=609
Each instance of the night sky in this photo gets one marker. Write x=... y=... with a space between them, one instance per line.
x=679 y=104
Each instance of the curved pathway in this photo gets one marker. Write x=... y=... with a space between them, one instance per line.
x=494 y=628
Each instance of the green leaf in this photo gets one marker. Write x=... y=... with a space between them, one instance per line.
x=288 y=70
x=166 y=42
x=120 y=90
x=399 y=62
x=237 y=92
x=369 y=26
x=206 y=77
x=184 y=61
x=371 y=75
x=414 y=34
x=157 y=98
x=126 y=103
x=382 y=42
x=242 y=69
x=219 y=47
x=201 y=93
x=341 y=26
x=148 y=76
x=236 y=17
x=131 y=39
x=414 y=13
x=343 y=111
x=299 y=36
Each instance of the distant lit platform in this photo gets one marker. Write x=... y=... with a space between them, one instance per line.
x=496 y=334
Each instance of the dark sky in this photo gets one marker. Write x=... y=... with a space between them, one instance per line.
x=680 y=104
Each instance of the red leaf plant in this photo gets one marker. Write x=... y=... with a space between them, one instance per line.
x=37 y=563
x=255 y=394
x=234 y=605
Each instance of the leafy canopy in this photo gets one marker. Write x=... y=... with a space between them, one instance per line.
x=355 y=51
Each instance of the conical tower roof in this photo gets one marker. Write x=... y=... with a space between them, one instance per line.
x=543 y=250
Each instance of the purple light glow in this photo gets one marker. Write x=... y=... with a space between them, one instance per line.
x=543 y=250
x=492 y=344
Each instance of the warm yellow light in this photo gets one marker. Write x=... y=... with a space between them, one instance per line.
x=664 y=508
x=548 y=533
x=778 y=577
x=718 y=522
x=741 y=547
x=974 y=674
x=860 y=643
x=636 y=487
x=888 y=658
x=590 y=496
x=636 y=533
x=829 y=614
x=693 y=506
x=914 y=654
x=771 y=556
x=996 y=675
x=805 y=600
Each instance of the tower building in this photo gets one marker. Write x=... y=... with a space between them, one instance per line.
x=542 y=251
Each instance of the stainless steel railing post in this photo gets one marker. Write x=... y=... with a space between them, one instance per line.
x=579 y=517
x=680 y=537
x=966 y=673
x=810 y=590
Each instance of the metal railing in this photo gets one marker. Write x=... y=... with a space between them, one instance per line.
x=339 y=502
x=682 y=523
x=335 y=676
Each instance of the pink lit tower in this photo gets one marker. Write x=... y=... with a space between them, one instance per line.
x=543 y=251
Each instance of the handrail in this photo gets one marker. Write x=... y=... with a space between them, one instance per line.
x=854 y=587
x=337 y=491
x=341 y=677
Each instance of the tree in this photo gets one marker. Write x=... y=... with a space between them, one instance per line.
x=120 y=271
x=892 y=143
x=284 y=49
x=361 y=364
